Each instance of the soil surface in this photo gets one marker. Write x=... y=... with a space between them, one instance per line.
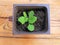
x=40 y=24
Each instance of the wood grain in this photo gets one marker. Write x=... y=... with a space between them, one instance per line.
x=6 y=36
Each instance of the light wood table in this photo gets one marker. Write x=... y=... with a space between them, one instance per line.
x=6 y=36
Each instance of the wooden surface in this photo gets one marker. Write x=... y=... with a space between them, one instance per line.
x=6 y=36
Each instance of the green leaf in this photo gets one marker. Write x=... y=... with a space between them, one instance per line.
x=24 y=13
x=32 y=19
x=22 y=19
x=31 y=13
x=30 y=27
x=26 y=19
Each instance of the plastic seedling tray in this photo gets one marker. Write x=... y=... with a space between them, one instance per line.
x=41 y=25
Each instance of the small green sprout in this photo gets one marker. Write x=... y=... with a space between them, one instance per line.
x=23 y=18
x=30 y=27
x=31 y=20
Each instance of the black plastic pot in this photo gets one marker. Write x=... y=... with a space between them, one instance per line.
x=42 y=25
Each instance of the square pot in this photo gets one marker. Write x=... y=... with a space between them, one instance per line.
x=42 y=12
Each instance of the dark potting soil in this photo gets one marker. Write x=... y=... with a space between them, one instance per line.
x=40 y=24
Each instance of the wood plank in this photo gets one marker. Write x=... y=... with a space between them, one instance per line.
x=13 y=41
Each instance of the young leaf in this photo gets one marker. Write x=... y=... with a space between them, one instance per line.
x=21 y=20
x=30 y=27
x=31 y=13
x=32 y=19
x=24 y=13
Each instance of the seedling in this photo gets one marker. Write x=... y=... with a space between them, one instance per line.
x=31 y=19
x=23 y=18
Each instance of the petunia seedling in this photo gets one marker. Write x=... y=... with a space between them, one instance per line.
x=30 y=27
x=23 y=18
x=31 y=19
